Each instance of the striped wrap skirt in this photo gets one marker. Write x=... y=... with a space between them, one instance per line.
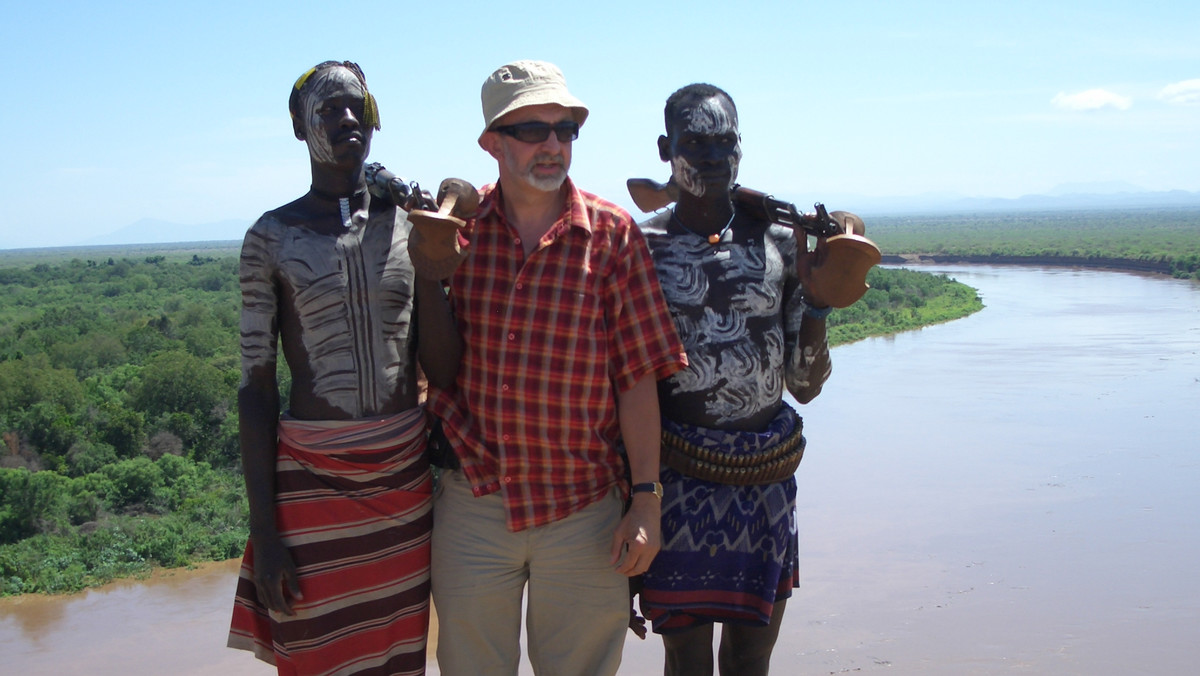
x=353 y=505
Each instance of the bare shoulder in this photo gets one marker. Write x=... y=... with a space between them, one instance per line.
x=296 y=212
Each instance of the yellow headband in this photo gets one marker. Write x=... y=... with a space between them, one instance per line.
x=304 y=78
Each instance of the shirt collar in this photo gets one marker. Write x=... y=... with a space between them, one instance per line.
x=575 y=211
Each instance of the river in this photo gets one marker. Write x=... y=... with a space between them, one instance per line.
x=1014 y=492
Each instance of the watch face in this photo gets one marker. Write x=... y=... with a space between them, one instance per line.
x=649 y=487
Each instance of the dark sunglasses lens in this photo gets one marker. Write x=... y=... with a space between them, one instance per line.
x=566 y=131
x=537 y=132
x=531 y=132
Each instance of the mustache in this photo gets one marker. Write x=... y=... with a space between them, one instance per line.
x=549 y=159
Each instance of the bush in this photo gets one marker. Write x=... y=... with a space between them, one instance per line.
x=134 y=482
x=86 y=457
x=32 y=502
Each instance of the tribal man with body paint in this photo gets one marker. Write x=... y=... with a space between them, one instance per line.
x=737 y=287
x=336 y=575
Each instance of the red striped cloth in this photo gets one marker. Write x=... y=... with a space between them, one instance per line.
x=353 y=505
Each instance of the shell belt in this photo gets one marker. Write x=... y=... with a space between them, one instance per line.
x=770 y=466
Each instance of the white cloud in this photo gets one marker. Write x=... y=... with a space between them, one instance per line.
x=1092 y=99
x=1186 y=92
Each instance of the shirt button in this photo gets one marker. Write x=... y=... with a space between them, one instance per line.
x=517 y=242
x=520 y=286
x=508 y=480
x=504 y=387
x=504 y=437
x=512 y=336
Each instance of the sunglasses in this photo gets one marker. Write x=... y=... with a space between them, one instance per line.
x=537 y=132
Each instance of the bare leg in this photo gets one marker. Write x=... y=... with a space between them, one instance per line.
x=689 y=653
x=746 y=651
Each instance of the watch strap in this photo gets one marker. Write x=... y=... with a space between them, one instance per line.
x=648 y=487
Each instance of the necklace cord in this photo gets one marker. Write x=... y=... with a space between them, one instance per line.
x=713 y=238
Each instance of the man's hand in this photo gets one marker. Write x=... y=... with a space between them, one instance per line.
x=806 y=263
x=275 y=575
x=437 y=245
x=834 y=273
x=639 y=536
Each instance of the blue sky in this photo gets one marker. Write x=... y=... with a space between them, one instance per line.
x=119 y=111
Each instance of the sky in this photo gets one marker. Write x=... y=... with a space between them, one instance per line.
x=177 y=111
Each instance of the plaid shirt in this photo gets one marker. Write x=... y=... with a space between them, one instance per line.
x=550 y=341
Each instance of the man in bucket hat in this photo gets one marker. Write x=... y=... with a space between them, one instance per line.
x=566 y=333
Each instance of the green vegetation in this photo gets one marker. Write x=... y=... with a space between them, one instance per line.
x=1161 y=240
x=902 y=300
x=118 y=380
x=117 y=386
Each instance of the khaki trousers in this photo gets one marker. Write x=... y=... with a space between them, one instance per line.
x=578 y=606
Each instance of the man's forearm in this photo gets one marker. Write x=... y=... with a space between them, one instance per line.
x=258 y=417
x=808 y=365
x=641 y=428
x=439 y=345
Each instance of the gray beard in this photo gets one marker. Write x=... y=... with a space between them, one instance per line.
x=548 y=183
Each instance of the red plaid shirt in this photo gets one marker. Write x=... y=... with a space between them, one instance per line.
x=550 y=341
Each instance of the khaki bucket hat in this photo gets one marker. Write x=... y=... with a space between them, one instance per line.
x=526 y=83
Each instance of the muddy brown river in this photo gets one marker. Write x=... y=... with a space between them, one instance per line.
x=1014 y=492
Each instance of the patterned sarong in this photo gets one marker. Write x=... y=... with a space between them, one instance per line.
x=353 y=504
x=728 y=552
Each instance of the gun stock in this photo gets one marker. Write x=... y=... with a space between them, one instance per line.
x=650 y=195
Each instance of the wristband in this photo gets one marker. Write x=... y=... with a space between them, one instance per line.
x=818 y=312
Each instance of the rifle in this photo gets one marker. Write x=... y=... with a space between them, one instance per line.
x=436 y=244
x=844 y=255
x=651 y=195
x=403 y=193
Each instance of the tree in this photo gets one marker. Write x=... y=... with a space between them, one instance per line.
x=179 y=382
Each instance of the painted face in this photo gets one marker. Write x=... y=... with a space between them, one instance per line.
x=705 y=146
x=332 y=108
x=542 y=166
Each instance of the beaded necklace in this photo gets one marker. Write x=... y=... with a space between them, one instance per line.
x=713 y=238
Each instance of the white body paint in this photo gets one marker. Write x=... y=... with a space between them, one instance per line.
x=353 y=296
x=707 y=117
x=737 y=309
x=323 y=84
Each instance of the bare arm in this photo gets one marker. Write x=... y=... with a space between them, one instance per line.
x=439 y=344
x=806 y=360
x=808 y=364
x=258 y=415
x=258 y=419
x=639 y=537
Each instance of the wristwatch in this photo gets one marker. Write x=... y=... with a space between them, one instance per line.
x=648 y=487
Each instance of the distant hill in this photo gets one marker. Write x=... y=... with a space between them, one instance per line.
x=1059 y=199
x=154 y=231
x=1074 y=196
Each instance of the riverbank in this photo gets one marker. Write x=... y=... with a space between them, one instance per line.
x=1158 y=241
x=1086 y=262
